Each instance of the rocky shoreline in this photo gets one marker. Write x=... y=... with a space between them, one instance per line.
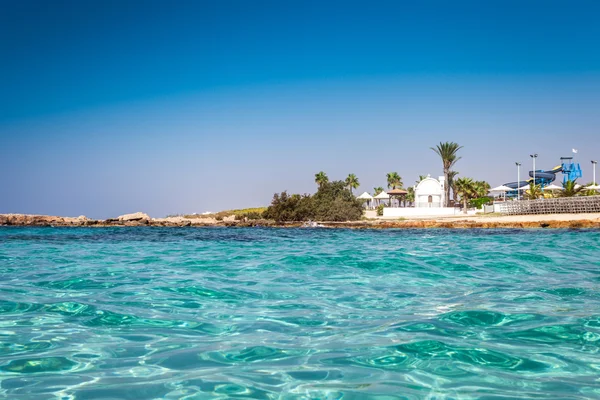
x=141 y=219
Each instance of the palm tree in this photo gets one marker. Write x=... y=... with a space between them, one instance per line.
x=394 y=180
x=465 y=188
x=571 y=189
x=448 y=153
x=352 y=182
x=588 y=192
x=481 y=188
x=410 y=196
x=421 y=177
x=377 y=190
x=534 y=191
x=321 y=178
x=452 y=183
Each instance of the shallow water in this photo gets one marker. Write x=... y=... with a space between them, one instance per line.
x=202 y=313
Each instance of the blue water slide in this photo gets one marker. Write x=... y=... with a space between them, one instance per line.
x=514 y=185
x=541 y=178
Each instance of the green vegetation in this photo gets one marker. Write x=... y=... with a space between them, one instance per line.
x=571 y=189
x=332 y=202
x=479 y=202
x=472 y=192
x=352 y=182
x=394 y=180
x=452 y=183
x=380 y=209
x=448 y=153
x=534 y=191
x=321 y=178
x=250 y=213
x=588 y=192
x=377 y=190
x=410 y=196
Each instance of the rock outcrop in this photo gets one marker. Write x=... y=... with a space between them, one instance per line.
x=137 y=217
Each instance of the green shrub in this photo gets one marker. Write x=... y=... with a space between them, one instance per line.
x=332 y=202
x=286 y=207
x=479 y=202
x=380 y=209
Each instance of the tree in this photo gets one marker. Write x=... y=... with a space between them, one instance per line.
x=448 y=153
x=321 y=178
x=293 y=207
x=465 y=188
x=333 y=202
x=588 y=192
x=571 y=189
x=394 y=180
x=481 y=188
x=452 y=183
x=410 y=196
x=421 y=177
x=352 y=182
x=534 y=191
x=377 y=190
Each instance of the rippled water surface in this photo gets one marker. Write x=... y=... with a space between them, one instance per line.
x=153 y=313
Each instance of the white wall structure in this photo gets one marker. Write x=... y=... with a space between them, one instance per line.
x=423 y=212
x=430 y=193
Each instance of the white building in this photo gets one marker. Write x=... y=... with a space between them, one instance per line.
x=430 y=193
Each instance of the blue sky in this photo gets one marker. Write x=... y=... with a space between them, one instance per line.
x=110 y=107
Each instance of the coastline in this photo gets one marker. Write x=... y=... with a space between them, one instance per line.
x=454 y=222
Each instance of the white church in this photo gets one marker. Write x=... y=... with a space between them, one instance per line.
x=430 y=193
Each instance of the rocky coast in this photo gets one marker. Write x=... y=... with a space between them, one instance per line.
x=142 y=219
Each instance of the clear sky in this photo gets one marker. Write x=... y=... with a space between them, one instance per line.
x=109 y=107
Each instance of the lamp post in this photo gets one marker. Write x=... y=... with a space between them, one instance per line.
x=594 y=166
x=534 y=156
x=518 y=164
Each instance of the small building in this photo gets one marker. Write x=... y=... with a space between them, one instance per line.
x=430 y=193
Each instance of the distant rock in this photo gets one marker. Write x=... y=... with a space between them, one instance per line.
x=138 y=216
x=230 y=218
x=181 y=221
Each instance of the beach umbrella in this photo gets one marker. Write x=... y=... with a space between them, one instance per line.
x=366 y=196
x=502 y=189
x=553 y=187
x=382 y=196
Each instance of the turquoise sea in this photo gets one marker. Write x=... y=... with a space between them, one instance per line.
x=209 y=313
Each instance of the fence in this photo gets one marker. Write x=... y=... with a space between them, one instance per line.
x=562 y=205
x=426 y=204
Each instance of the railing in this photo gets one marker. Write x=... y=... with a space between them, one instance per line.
x=426 y=204
x=563 y=205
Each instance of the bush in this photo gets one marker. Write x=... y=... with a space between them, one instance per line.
x=478 y=203
x=380 y=209
x=289 y=208
x=332 y=202
x=251 y=215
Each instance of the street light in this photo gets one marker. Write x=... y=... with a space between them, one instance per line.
x=594 y=166
x=534 y=156
x=518 y=164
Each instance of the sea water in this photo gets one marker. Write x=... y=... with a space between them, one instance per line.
x=203 y=313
